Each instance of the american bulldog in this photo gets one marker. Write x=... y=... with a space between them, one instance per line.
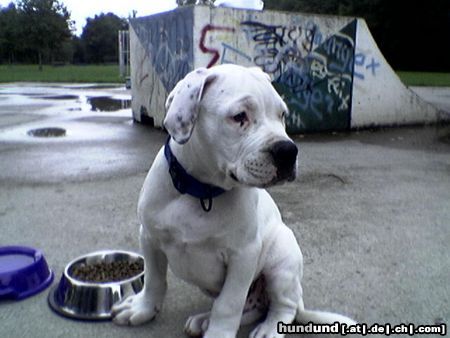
x=205 y=213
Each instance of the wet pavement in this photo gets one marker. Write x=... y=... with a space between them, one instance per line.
x=56 y=100
x=89 y=126
x=370 y=210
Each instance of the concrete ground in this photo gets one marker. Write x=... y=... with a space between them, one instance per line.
x=371 y=211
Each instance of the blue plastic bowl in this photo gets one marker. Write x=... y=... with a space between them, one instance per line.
x=23 y=272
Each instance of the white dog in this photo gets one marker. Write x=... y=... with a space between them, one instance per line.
x=204 y=211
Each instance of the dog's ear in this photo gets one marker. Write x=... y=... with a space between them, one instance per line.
x=182 y=104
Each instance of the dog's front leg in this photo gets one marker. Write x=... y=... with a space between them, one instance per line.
x=145 y=305
x=227 y=308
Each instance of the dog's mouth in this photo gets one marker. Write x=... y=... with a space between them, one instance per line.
x=288 y=175
x=233 y=177
x=280 y=178
x=267 y=167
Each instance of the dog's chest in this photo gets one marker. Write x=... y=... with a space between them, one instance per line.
x=194 y=248
x=201 y=263
x=197 y=243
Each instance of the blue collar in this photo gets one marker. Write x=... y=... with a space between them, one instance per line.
x=187 y=184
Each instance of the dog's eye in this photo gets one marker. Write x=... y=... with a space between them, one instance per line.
x=240 y=118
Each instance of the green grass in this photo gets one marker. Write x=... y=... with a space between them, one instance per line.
x=425 y=79
x=69 y=73
x=110 y=74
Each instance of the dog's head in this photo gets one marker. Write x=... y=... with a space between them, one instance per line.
x=238 y=118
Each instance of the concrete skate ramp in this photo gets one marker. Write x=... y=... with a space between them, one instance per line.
x=329 y=69
x=379 y=97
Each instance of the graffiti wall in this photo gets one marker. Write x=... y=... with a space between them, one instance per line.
x=315 y=62
x=310 y=59
x=161 y=54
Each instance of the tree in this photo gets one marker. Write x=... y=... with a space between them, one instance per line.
x=9 y=32
x=99 y=37
x=46 y=26
x=79 y=53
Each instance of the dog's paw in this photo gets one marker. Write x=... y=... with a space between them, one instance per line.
x=135 y=310
x=197 y=325
x=265 y=330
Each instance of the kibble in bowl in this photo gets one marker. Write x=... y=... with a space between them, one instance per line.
x=92 y=284
x=105 y=272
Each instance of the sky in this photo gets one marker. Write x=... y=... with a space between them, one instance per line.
x=82 y=9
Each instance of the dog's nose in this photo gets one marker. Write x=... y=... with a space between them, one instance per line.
x=284 y=155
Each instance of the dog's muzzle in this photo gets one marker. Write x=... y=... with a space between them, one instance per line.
x=284 y=155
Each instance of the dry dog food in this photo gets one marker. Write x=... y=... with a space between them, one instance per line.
x=107 y=272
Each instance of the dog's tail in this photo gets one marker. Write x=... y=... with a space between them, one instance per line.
x=320 y=317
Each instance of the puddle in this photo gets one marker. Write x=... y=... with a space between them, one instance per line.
x=20 y=94
x=47 y=132
x=108 y=104
x=60 y=97
x=444 y=134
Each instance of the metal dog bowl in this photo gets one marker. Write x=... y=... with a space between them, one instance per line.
x=77 y=298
